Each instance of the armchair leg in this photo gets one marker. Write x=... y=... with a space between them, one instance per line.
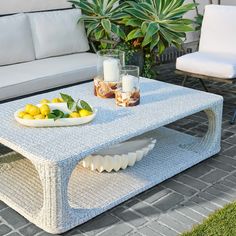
x=201 y=81
x=203 y=85
x=233 y=118
x=184 y=80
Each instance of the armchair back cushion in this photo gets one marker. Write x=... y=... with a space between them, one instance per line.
x=218 y=33
x=57 y=33
x=16 y=44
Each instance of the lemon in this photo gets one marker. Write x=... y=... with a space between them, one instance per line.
x=28 y=117
x=39 y=117
x=34 y=110
x=27 y=107
x=21 y=114
x=45 y=109
x=84 y=112
x=56 y=100
x=74 y=115
x=44 y=101
x=61 y=100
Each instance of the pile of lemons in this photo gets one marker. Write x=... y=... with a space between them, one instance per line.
x=32 y=112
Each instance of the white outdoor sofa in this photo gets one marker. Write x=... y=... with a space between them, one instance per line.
x=40 y=51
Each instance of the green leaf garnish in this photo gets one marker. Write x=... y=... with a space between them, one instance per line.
x=56 y=114
x=69 y=100
x=78 y=108
x=66 y=115
x=71 y=105
x=66 y=98
x=51 y=116
x=75 y=106
x=85 y=106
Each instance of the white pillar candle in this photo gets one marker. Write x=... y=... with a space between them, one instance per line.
x=111 y=70
x=128 y=83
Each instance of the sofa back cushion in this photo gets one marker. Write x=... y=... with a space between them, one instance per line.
x=16 y=44
x=57 y=33
x=218 y=32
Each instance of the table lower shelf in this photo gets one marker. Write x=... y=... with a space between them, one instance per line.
x=91 y=193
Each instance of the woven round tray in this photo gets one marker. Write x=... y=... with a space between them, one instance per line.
x=119 y=156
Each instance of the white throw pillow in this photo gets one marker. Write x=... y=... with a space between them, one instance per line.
x=57 y=33
x=16 y=44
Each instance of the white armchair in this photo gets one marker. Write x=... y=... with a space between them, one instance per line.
x=216 y=58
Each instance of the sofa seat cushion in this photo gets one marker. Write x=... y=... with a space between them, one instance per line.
x=210 y=64
x=57 y=33
x=16 y=43
x=39 y=75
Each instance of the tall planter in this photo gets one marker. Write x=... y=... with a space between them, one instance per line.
x=137 y=58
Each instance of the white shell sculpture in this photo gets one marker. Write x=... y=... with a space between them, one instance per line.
x=119 y=156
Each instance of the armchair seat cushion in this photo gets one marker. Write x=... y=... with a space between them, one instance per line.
x=217 y=65
x=30 y=77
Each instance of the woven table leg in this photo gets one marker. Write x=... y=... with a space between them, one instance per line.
x=211 y=141
x=56 y=210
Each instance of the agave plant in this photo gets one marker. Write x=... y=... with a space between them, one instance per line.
x=198 y=18
x=102 y=17
x=158 y=23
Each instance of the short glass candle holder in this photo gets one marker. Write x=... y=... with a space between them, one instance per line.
x=129 y=93
x=104 y=89
x=109 y=64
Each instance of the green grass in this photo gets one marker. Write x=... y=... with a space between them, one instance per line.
x=221 y=223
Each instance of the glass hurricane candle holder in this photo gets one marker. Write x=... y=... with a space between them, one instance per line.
x=129 y=93
x=109 y=65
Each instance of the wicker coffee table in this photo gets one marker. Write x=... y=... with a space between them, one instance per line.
x=43 y=181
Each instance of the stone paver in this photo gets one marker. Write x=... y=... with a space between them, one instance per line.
x=191 y=182
x=199 y=170
x=179 y=188
x=186 y=221
x=14 y=234
x=169 y=201
x=99 y=224
x=143 y=208
x=213 y=176
x=13 y=218
x=172 y=207
x=220 y=165
x=154 y=194
x=171 y=223
x=4 y=229
x=148 y=231
x=186 y=211
x=2 y=206
x=129 y=216
x=162 y=229
x=117 y=230
x=29 y=230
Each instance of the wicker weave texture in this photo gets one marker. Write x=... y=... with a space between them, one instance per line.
x=161 y=104
x=67 y=195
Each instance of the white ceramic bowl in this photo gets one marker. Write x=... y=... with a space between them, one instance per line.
x=59 y=122
x=119 y=156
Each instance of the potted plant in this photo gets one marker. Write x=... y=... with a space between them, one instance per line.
x=102 y=20
x=157 y=25
x=143 y=29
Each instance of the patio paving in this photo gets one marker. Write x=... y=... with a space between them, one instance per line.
x=169 y=208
